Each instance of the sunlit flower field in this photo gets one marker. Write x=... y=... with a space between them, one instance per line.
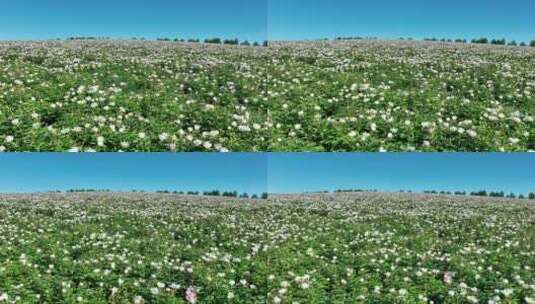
x=402 y=96
x=131 y=96
x=291 y=96
x=343 y=248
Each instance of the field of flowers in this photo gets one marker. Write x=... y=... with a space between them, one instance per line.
x=402 y=96
x=329 y=248
x=131 y=96
x=290 y=96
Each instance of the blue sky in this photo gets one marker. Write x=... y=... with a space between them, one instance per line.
x=312 y=19
x=258 y=19
x=45 y=19
x=396 y=171
x=32 y=172
x=276 y=172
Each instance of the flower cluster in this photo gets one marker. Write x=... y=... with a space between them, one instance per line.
x=131 y=96
x=401 y=96
x=290 y=96
x=318 y=248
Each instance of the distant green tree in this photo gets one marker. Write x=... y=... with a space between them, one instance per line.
x=213 y=40
x=231 y=41
x=479 y=193
x=481 y=40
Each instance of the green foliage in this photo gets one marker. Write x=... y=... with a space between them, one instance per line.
x=401 y=96
x=343 y=248
x=481 y=40
x=344 y=95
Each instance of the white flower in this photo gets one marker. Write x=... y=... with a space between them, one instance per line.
x=207 y=145
x=141 y=135
x=244 y=128
x=472 y=133
x=163 y=137
x=514 y=141
x=507 y=292
x=472 y=299
x=230 y=295
x=138 y=300
x=154 y=291
x=4 y=297
x=448 y=277
x=9 y=139
x=100 y=141
x=529 y=300
x=15 y=121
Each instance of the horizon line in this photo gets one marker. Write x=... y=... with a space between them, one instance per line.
x=332 y=191
x=330 y=38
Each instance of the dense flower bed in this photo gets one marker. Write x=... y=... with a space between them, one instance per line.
x=290 y=96
x=343 y=248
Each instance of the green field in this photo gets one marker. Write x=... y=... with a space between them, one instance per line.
x=343 y=248
x=291 y=96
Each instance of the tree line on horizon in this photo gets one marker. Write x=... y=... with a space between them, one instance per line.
x=482 y=40
x=215 y=40
x=265 y=43
x=203 y=193
x=265 y=195
x=482 y=193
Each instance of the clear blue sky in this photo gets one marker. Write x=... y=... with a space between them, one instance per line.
x=275 y=172
x=33 y=172
x=290 y=173
x=45 y=19
x=258 y=19
x=312 y=19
